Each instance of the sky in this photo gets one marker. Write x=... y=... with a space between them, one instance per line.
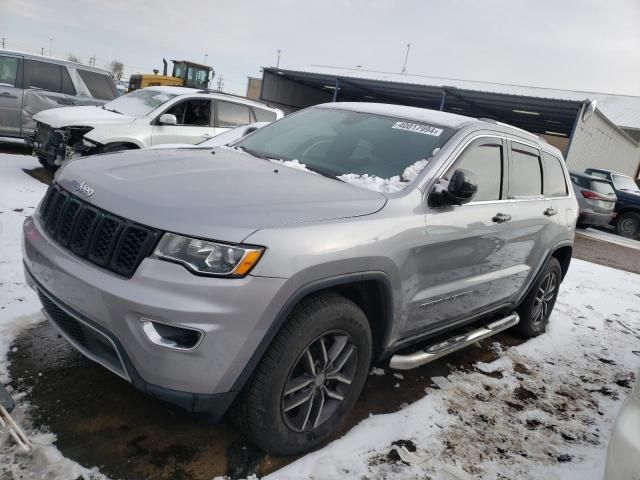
x=571 y=44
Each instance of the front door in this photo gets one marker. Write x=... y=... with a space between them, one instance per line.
x=10 y=94
x=460 y=269
x=194 y=117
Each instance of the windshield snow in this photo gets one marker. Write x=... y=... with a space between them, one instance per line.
x=377 y=152
x=139 y=102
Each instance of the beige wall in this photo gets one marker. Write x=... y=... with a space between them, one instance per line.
x=561 y=143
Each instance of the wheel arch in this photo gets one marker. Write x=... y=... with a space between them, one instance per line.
x=361 y=288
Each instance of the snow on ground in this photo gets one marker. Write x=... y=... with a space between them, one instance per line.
x=19 y=309
x=610 y=237
x=543 y=410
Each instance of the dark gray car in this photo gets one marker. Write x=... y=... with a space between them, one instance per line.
x=269 y=275
x=32 y=83
x=596 y=199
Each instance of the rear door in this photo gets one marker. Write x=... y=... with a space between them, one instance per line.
x=46 y=85
x=459 y=269
x=231 y=115
x=534 y=219
x=10 y=94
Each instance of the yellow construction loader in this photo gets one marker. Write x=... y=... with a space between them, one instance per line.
x=185 y=74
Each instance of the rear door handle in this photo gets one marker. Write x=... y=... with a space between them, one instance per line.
x=501 y=218
x=7 y=95
x=550 y=212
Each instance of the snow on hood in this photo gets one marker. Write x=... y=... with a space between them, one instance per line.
x=80 y=116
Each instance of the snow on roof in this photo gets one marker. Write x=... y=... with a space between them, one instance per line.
x=411 y=113
x=623 y=110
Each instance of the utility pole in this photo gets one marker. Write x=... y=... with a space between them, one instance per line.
x=42 y=51
x=358 y=67
x=278 y=62
x=205 y=58
x=220 y=83
x=50 y=46
x=92 y=60
x=3 y=39
x=406 y=57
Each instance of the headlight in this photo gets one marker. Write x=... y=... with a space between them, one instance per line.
x=208 y=258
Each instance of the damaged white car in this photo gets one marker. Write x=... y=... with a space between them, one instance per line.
x=151 y=116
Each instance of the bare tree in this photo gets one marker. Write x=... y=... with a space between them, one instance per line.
x=73 y=58
x=116 y=68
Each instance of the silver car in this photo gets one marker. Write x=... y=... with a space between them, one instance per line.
x=596 y=200
x=31 y=83
x=264 y=278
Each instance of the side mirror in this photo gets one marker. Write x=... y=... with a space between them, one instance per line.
x=461 y=189
x=168 y=119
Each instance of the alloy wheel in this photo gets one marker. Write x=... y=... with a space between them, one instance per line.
x=544 y=299
x=319 y=380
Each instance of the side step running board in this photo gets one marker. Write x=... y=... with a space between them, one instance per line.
x=450 y=345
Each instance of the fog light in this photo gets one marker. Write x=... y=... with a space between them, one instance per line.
x=170 y=336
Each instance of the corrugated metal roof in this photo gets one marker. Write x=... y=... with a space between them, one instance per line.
x=623 y=110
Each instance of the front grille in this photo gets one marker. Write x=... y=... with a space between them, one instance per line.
x=106 y=240
x=88 y=340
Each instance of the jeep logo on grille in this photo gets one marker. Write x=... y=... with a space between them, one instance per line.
x=84 y=189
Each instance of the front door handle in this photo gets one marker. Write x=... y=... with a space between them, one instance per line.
x=550 y=212
x=7 y=95
x=501 y=217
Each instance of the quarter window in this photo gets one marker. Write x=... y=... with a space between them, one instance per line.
x=8 y=71
x=555 y=184
x=525 y=175
x=232 y=114
x=100 y=86
x=263 y=115
x=486 y=162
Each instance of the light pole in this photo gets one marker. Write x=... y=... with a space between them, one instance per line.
x=404 y=67
x=278 y=62
x=50 y=46
x=205 y=58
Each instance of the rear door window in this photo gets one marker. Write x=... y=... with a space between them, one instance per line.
x=8 y=71
x=100 y=86
x=231 y=114
x=43 y=75
x=263 y=115
x=555 y=184
x=525 y=173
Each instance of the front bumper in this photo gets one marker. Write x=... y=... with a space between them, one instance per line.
x=234 y=315
x=623 y=455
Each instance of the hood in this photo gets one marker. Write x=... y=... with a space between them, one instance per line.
x=218 y=194
x=80 y=116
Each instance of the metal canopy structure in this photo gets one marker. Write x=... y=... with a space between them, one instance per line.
x=535 y=114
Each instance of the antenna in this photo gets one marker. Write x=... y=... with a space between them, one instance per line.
x=406 y=57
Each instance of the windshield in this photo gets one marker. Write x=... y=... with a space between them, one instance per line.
x=622 y=182
x=139 y=102
x=373 y=151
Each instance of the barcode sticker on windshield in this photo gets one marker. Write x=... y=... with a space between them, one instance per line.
x=418 y=128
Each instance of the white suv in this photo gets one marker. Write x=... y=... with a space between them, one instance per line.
x=150 y=116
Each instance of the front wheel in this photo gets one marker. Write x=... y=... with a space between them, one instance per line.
x=536 y=308
x=628 y=225
x=310 y=377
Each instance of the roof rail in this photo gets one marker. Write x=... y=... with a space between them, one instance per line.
x=496 y=122
x=208 y=90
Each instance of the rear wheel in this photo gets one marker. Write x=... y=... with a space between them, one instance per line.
x=628 y=225
x=309 y=378
x=536 y=308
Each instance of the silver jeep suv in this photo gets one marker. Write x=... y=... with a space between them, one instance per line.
x=264 y=278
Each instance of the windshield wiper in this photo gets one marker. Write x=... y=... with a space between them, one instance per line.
x=111 y=110
x=254 y=153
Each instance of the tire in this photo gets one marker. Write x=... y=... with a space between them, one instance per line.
x=628 y=225
x=266 y=414
x=116 y=147
x=535 y=309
